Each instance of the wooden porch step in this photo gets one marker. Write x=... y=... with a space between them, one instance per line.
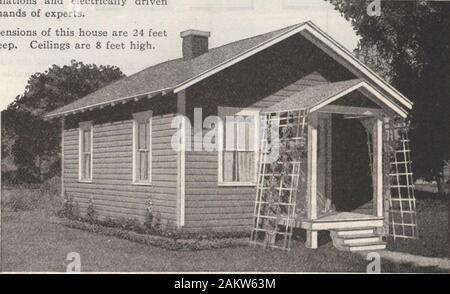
x=354 y=231
x=370 y=246
x=357 y=239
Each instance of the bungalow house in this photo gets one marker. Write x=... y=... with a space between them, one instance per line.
x=124 y=145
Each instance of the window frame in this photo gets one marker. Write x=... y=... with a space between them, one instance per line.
x=221 y=148
x=141 y=118
x=83 y=127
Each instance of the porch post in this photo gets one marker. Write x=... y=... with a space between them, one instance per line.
x=378 y=167
x=181 y=161
x=63 y=126
x=311 y=197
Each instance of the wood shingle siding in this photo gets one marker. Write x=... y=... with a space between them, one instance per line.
x=112 y=189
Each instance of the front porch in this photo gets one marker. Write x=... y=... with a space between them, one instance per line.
x=300 y=190
x=349 y=231
x=337 y=186
x=365 y=228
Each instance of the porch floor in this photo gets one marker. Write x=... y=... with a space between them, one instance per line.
x=339 y=220
x=343 y=216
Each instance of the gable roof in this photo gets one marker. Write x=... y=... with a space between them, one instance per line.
x=179 y=74
x=164 y=77
x=314 y=98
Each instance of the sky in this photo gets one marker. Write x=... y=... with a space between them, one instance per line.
x=227 y=20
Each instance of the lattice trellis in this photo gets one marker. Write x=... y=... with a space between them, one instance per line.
x=282 y=152
x=400 y=187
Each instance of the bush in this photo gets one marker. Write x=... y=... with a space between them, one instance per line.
x=148 y=222
x=23 y=176
x=156 y=240
x=156 y=222
x=9 y=178
x=70 y=208
x=90 y=211
x=157 y=229
x=153 y=223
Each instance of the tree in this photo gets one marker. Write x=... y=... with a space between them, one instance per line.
x=369 y=56
x=36 y=141
x=413 y=38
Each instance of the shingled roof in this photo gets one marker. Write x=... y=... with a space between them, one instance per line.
x=313 y=96
x=167 y=75
x=179 y=74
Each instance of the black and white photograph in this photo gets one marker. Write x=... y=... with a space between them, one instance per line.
x=201 y=136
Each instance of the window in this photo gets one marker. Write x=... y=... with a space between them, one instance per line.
x=85 y=151
x=238 y=152
x=142 y=146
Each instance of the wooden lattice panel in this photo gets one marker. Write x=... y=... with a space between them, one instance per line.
x=402 y=201
x=278 y=178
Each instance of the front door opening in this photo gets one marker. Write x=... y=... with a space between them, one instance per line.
x=351 y=174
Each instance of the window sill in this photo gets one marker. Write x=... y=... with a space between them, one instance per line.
x=236 y=184
x=85 y=181
x=142 y=184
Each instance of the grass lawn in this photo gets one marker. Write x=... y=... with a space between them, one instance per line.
x=433 y=222
x=31 y=243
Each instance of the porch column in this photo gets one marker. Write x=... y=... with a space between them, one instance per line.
x=311 y=195
x=378 y=167
x=63 y=126
x=181 y=160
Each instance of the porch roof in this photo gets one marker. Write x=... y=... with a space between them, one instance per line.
x=316 y=97
x=313 y=96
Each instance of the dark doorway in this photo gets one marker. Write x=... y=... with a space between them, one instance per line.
x=351 y=174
